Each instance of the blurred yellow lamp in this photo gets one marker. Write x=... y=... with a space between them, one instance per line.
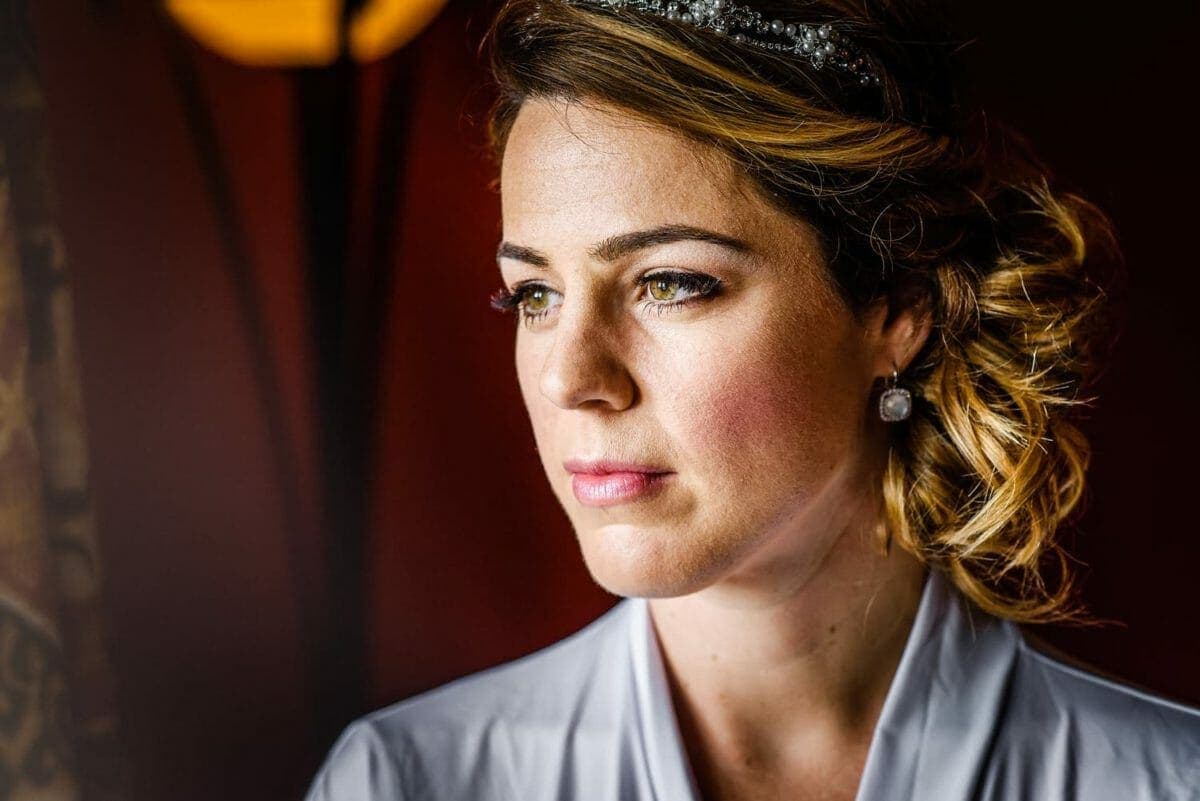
x=299 y=33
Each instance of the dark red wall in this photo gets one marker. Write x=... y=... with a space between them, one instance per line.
x=200 y=581
x=211 y=531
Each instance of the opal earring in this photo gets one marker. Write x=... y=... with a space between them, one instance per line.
x=895 y=403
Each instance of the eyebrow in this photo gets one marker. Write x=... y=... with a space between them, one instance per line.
x=620 y=245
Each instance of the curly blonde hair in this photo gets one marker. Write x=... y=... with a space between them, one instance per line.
x=918 y=199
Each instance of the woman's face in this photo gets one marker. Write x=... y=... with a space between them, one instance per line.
x=680 y=325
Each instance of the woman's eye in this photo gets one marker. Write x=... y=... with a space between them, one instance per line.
x=537 y=299
x=671 y=289
x=533 y=301
x=664 y=289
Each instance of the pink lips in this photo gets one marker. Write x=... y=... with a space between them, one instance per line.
x=608 y=483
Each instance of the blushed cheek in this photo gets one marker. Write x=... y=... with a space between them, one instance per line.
x=735 y=408
x=768 y=417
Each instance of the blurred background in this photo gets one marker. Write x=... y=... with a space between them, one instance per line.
x=263 y=462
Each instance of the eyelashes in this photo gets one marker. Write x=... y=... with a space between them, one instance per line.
x=505 y=301
x=519 y=299
x=527 y=298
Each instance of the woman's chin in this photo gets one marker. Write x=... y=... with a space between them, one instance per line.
x=634 y=561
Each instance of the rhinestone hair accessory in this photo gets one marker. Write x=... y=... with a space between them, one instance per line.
x=823 y=46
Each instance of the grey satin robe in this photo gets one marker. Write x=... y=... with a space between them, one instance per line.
x=973 y=712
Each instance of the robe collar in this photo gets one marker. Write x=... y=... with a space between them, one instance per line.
x=937 y=718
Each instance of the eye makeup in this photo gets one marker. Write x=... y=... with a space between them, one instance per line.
x=697 y=287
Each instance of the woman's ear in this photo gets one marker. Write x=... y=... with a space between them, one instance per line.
x=897 y=331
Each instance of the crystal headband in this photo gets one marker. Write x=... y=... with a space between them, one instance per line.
x=822 y=45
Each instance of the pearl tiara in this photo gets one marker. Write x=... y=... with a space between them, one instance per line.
x=822 y=45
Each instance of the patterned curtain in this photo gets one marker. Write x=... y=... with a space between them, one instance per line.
x=57 y=706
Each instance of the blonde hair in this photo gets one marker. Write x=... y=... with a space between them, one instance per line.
x=917 y=202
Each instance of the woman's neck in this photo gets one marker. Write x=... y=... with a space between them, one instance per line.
x=781 y=685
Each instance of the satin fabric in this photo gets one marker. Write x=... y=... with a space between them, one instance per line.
x=973 y=712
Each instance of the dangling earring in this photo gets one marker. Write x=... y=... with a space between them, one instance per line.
x=895 y=403
x=883 y=536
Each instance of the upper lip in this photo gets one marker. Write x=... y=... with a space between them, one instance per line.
x=601 y=466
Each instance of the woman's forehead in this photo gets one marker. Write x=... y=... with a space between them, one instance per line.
x=574 y=153
x=594 y=171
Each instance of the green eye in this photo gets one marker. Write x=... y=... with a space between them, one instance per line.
x=671 y=289
x=536 y=300
x=664 y=289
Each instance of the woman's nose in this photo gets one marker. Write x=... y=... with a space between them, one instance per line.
x=582 y=367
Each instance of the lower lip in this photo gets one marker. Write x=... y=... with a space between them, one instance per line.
x=610 y=489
